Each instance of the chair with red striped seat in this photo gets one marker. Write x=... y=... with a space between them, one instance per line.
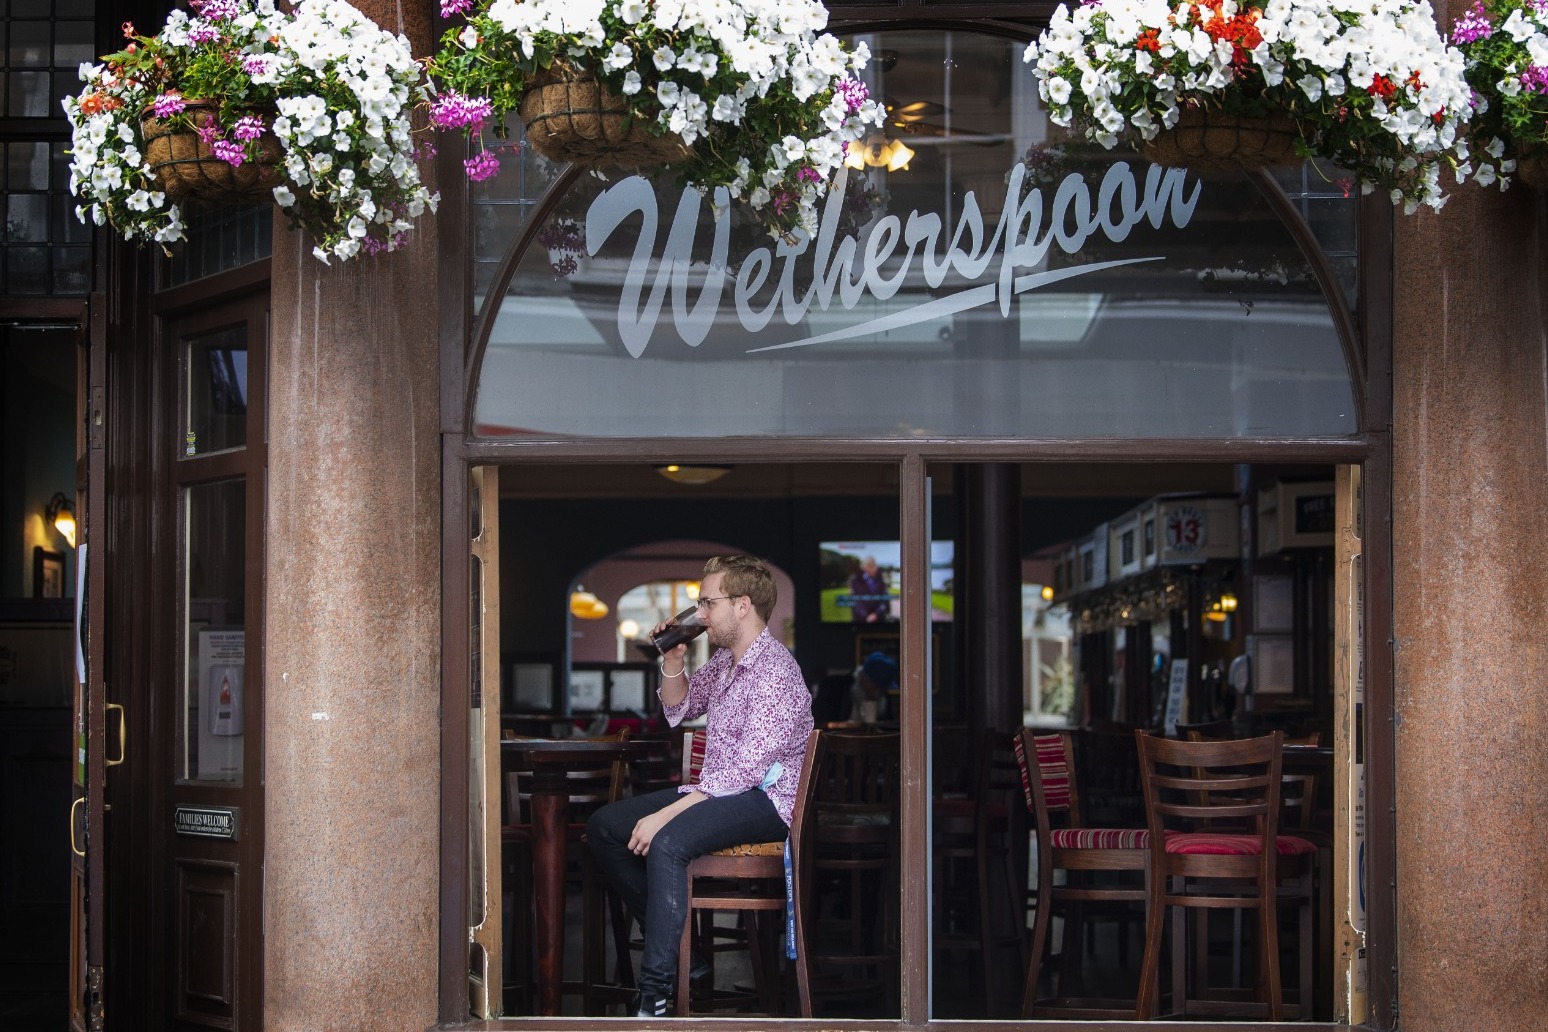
x=1047 y=763
x=1192 y=790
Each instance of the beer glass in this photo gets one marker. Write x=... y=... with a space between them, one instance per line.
x=685 y=626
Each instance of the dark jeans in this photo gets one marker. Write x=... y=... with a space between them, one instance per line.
x=655 y=886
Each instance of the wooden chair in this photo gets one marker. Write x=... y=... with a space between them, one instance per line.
x=1297 y=814
x=750 y=878
x=985 y=832
x=1193 y=789
x=1047 y=764
x=590 y=786
x=852 y=874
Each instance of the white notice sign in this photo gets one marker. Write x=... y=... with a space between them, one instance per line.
x=1176 y=693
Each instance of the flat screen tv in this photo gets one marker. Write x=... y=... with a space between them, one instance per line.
x=861 y=581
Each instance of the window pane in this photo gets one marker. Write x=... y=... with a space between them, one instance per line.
x=73 y=44
x=26 y=270
x=1142 y=302
x=217 y=392
x=218 y=240
x=26 y=166
x=26 y=217
x=29 y=45
x=71 y=269
x=216 y=535
x=29 y=95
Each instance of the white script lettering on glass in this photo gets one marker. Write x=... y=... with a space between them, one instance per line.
x=1021 y=241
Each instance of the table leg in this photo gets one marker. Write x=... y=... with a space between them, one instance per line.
x=550 y=815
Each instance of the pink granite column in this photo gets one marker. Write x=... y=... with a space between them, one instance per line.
x=1470 y=601
x=353 y=631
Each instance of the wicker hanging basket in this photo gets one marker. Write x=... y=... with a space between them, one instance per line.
x=571 y=116
x=1210 y=141
x=186 y=168
x=1532 y=170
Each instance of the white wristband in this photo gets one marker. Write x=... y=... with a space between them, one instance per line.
x=680 y=670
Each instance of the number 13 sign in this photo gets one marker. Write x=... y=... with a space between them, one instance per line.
x=1186 y=530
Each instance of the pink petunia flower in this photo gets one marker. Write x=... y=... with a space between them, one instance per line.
x=1473 y=25
x=168 y=104
x=484 y=166
x=230 y=152
x=248 y=127
x=453 y=110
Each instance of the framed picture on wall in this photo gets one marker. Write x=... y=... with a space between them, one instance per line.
x=48 y=573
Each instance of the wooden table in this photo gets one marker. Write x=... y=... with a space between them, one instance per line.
x=550 y=759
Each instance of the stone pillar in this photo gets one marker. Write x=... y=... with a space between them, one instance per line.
x=352 y=635
x=1470 y=604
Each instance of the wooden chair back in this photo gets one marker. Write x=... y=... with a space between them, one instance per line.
x=1196 y=786
x=694 y=742
x=660 y=765
x=856 y=788
x=1046 y=763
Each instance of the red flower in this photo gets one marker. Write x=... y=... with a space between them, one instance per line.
x=1381 y=86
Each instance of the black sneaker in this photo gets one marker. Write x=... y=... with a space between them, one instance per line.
x=651 y=1005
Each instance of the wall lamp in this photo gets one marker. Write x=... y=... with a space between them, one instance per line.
x=877 y=151
x=60 y=515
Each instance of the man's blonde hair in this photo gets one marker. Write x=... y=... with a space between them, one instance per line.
x=746 y=575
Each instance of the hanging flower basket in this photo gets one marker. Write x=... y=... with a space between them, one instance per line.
x=572 y=116
x=1211 y=142
x=308 y=107
x=749 y=95
x=1369 y=86
x=185 y=166
x=1504 y=45
x=1532 y=169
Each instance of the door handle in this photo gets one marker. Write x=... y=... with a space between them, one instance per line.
x=77 y=850
x=123 y=734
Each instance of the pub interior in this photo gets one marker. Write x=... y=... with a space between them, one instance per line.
x=1078 y=602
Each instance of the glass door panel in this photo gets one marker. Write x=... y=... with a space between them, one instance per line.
x=215 y=585
x=216 y=386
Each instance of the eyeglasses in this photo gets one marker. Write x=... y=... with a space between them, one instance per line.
x=709 y=603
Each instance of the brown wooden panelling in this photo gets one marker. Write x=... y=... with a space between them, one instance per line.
x=206 y=902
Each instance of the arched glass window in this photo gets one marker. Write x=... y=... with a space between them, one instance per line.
x=983 y=275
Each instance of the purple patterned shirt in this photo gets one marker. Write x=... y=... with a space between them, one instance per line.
x=760 y=712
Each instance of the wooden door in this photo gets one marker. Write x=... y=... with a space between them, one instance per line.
x=206 y=692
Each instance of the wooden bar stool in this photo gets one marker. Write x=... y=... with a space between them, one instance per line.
x=1221 y=801
x=750 y=878
x=985 y=833
x=853 y=904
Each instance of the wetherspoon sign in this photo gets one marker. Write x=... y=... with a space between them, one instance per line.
x=995 y=263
